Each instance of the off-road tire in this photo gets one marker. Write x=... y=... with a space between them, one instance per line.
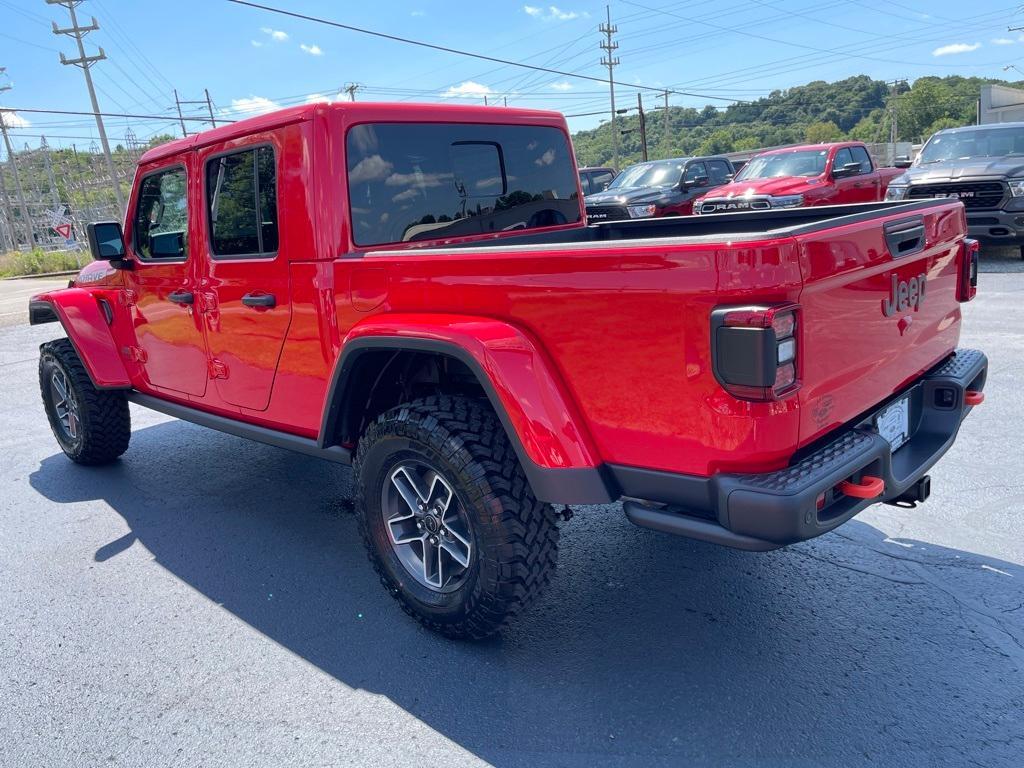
x=515 y=536
x=104 y=423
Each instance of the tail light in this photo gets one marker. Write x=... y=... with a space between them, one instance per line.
x=967 y=286
x=755 y=350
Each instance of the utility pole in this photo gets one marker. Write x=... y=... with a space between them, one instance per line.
x=351 y=89
x=643 y=125
x=611 y=62
x=26 y=219
x=665 y=139
x=84 y=63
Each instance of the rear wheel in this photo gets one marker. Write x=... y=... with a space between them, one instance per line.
x=449 y=520
x=92 y=426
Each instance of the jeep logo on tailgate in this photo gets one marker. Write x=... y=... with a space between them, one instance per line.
x=904 y=295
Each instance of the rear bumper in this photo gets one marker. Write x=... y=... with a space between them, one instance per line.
x=769 y=510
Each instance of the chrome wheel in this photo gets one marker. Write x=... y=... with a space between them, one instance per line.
x=65 y=405
x=427 y=526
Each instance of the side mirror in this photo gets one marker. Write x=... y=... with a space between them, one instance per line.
x=699 y=181
x=729 y=177
x=902 y=162
x=106 y=243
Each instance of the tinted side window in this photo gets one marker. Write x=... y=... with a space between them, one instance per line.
x=843 y=157
x=585 y=184
x=241 y=200
x=860 y=155
x=161 y=216
x=695 y=171
x=417 y=182
x=600 y=181
x=719 y=171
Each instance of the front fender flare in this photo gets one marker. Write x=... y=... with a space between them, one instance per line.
x=552 y=444
x=86 y=326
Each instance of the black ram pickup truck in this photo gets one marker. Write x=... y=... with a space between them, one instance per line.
x=658 y=188
x=983 y=167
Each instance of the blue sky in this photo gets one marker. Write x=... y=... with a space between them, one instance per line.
x=251 y=60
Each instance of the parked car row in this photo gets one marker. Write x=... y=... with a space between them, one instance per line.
x=818 y=174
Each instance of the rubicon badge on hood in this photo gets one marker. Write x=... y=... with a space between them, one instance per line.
x=904 y=295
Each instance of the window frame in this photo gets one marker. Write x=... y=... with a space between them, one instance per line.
x=694 y=164
x=871 y=163
x=262 y=255
x=359 y=249
x=178 y=164
x=594 y=176
x=725 y=168
x=837 y=164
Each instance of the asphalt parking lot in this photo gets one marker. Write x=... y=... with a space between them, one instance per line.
x=206 y=601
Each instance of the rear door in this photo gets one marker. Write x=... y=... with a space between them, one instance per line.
x=245 y=291
x=878 y=309
x=164 y=282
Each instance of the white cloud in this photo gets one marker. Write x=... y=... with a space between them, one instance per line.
x=254 y=105
x=546 y=159
x=312 y=50
x=952 y=48
x=418 y=13
x=467 y=89
x=274 y=34
x=14 y=120
x=256 y=43
x=1002 y=41
x=553 y=13
x=313 y=98
x=564 y=85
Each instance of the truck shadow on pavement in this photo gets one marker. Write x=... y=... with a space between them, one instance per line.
x=647 y=649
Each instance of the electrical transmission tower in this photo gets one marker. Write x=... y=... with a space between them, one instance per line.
x=206 y=101
x=84 y=63
x=25 y=218
x=608 y=45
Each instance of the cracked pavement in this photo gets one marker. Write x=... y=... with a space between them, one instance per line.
x=207 y=601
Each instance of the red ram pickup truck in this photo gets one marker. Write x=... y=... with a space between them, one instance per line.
x=414 y=290
x=817 y=174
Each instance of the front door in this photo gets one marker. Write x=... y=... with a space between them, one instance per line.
x=245 y=290
x=164 y=282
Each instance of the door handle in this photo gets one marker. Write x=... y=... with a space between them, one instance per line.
x=264 y=300
x=181 y=297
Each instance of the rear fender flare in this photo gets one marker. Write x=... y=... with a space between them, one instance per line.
x=549 y=437
x=86 y=326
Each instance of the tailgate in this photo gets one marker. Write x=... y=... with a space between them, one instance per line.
x=879 y=308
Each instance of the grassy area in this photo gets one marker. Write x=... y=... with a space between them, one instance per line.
x=37 y=262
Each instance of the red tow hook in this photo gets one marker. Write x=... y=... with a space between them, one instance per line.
x=869 y=487
x=974 y=398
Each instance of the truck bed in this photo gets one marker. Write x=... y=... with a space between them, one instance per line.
x=748 y=225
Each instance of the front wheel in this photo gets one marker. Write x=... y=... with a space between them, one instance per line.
x=448 y=517
x=92 y=426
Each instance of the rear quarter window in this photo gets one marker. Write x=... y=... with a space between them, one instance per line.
x=411 y=182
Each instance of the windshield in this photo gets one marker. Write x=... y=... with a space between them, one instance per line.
x=990 y=142
x=808 y=162
x=663 y=174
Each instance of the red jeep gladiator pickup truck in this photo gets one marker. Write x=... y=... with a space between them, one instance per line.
x=413 y=290
x=817 y=174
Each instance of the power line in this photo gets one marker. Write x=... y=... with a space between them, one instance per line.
x=458 y=52
x=165 y=118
